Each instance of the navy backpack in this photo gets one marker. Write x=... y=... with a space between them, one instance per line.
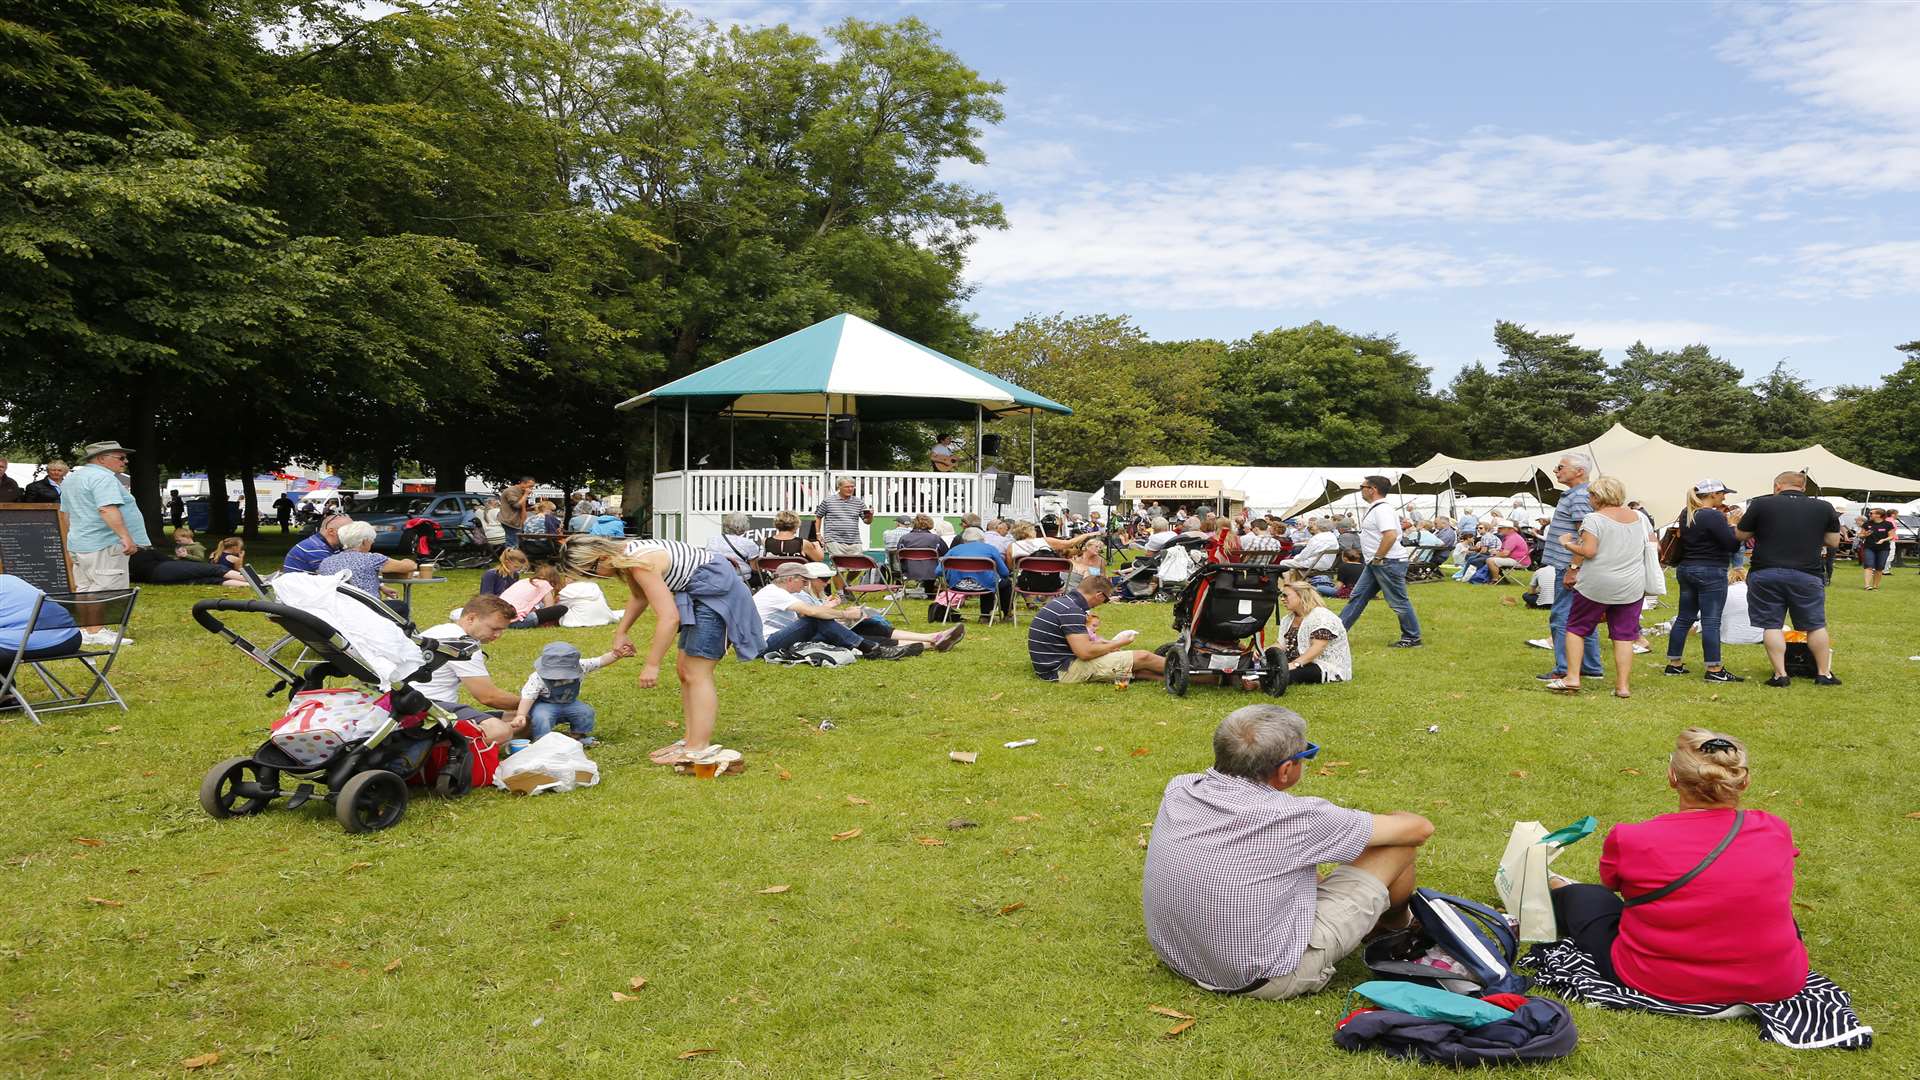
x=1476 y=938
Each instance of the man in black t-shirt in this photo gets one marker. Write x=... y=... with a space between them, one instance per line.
x=1788 y=531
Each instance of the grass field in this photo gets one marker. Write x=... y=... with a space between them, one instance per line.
x=488 y=936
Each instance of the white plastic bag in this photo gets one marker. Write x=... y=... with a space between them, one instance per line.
x=555 y=762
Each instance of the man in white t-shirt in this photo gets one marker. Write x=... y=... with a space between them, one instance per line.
x=789 y=615
x=1386 y=569
x=484 y=619
x=999 y=535
x=1162 y=535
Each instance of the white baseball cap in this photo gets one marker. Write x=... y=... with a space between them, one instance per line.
x=819 y=570
x=1709 y=487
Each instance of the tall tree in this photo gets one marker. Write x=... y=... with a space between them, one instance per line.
x=1689 y=396
x=1320 y=395
x=1553 y=388
x=1787 y=412
x=1880 y=426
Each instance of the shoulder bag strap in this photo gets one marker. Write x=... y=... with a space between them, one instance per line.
x=1739 y=816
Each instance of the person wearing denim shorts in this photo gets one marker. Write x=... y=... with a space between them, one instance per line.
x=1707 y=544
x=1876 y=548
x=1789 y=530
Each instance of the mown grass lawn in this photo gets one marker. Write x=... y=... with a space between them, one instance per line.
x=487 y=936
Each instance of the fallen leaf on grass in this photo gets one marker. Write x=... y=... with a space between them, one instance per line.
x=202 y=1061
x=1171 y=1014
x=618 y=996
x=1630 y=772
x=89 y=841
x=638 y=982
x=103 y=902
x=1141 y=839
x=858 y=801
x=998 y=696
x=1915 y=816
x=783 y=773
x=343 y=965
x=929 y=841
x=393 y=965
x=113 y=729
x=964 y=757
x=1323 y=771
x=560 y=921
x=1804 y=906
x=685 y=1054
x=358 y=866
x=773 y=890
x=848 y=835
x=1140 y=751
x=1013 y=907
x=1180 y=1028
x=1518 y=774
x=1024 y=817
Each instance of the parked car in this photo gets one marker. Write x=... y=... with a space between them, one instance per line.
x=389 y=514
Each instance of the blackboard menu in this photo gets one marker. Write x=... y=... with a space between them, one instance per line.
x=33 y=546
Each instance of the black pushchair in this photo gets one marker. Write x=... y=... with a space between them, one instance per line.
x=1221 y=617
x=1140 y=580
x=362 y=769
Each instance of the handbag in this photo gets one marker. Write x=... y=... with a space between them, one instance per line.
x=1656 y=573
x=1521 y=881
x=1671 y=549
x=1739 y=818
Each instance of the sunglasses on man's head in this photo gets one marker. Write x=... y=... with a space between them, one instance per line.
x=1312 y=749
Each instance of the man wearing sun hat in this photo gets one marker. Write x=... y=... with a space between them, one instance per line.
x=104 y=525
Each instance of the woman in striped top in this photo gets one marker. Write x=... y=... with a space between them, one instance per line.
x=694 y=593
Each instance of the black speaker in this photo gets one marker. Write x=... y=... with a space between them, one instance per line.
x=843 y=430
x=1112 y=494
x=989 y=446
x=1003 y=488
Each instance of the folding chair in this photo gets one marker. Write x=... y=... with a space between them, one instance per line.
x=974 y=564
x=918 y=564
x=112 y=610
x=767 y=564
x=1039 y=564
x=863 y=565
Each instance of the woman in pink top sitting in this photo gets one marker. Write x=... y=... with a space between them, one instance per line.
x=533 y=599
x=1704 y=906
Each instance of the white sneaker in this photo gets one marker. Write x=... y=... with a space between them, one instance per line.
x=1541 y=643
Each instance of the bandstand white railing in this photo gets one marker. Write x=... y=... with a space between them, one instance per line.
x=761 y=493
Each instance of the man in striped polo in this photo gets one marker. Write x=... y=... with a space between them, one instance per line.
x=843 y=521
x=1063 y=649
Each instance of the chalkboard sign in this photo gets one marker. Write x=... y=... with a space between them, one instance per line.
x=33 y=546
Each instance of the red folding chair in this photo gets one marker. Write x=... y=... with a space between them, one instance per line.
x=857 y=567
x=1039 y=564
x=918 y=564
x=973 y=564
x=767 y=564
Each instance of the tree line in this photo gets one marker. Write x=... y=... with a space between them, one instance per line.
x=1321 y=395
x=237 y=233
x=448 y=239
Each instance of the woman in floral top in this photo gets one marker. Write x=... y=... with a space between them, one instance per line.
x=1312 y=636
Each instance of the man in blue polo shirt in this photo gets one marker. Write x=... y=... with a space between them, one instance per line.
x=306 y=556
x=1063 y=649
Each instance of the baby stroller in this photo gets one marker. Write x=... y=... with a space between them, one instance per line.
x=1141 y=579
x=1221 y=617
x=355 y=748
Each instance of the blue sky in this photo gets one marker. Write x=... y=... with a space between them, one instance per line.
x=1744 y=176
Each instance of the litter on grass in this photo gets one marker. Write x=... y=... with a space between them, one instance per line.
x=1018 y=743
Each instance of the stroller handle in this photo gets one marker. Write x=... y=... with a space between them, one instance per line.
x=435 y=652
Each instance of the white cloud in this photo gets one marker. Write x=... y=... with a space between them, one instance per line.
x=1665 y=334
x=1350 y=120
x=1889 y=268
x=1856 y=57
x=1014 y=163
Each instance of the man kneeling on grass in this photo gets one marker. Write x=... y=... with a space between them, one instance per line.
x=1232 y=898
x=1063 y=647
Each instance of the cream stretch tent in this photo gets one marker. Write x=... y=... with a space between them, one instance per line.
x=1657 y=472
x=1275 y=490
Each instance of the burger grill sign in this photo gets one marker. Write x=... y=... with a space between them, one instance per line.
x=1148 y=487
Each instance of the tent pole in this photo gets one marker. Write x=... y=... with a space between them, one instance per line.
x=979 y=457
x=730 y=424
x=1033 y=446
x=686 y=466
x=653 y=491
x=826 y=447
x=856 y=442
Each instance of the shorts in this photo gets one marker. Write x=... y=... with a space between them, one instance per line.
x=1623 y=620
x=1347 y=904
x=1109 y=668
x=1776 y=592
x=706 y=638
x=1874 y=558
x=99 y=571
x=833 y=549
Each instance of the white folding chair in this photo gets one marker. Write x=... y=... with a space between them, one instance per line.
x=112 y=610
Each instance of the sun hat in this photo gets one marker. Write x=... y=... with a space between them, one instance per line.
x=1709 y=487
x=819 y=570
x=559 y=660
x=789 y=570
x=94 y=450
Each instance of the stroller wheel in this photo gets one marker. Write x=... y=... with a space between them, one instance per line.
x=234 y=788
x=456 y=776
x=374 y=800
x=1177 y=673
x=1275 y=680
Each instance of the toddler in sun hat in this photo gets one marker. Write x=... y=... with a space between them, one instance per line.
x=551 y=696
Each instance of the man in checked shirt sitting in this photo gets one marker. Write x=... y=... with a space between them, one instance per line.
x=1232 y=897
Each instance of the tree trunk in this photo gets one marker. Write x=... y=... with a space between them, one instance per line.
x=387 y=469
x=219 y=522
x=249 y=504
x=146 y=458
x=637 y=476
x=450 y=474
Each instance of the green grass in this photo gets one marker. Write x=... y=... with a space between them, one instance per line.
x=514 y=920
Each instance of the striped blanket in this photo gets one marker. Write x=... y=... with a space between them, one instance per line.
x=1820 y=1016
